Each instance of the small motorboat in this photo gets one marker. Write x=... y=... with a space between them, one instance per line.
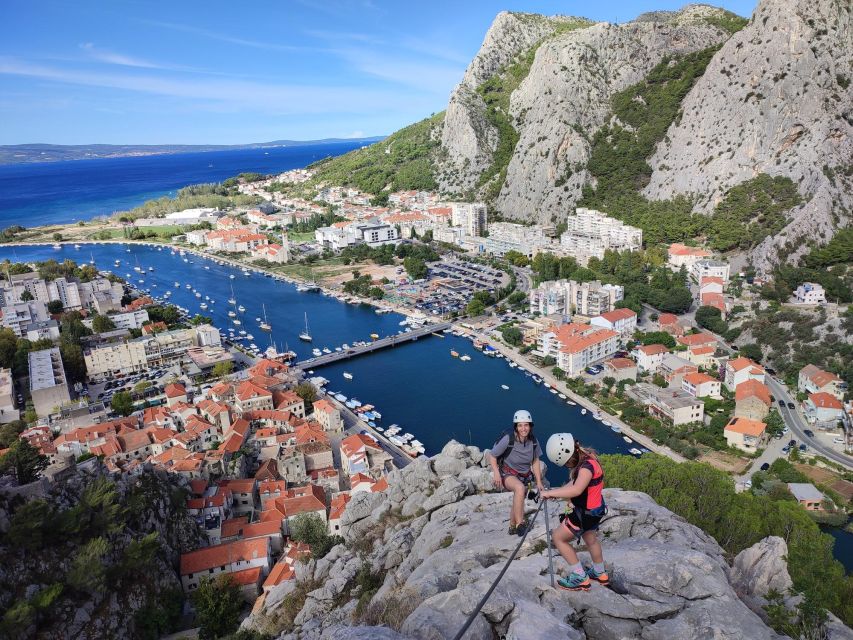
x=583 y=412
x=347 y=375
x=504 y=387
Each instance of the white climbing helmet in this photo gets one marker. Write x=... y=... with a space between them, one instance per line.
x=560 y=448
x=522 y=416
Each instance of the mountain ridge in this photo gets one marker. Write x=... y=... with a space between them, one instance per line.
x=520 y=128
x=35 y=152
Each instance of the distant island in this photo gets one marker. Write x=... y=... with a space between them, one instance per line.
x=36 y=152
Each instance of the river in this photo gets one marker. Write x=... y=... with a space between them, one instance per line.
x=62 y=192
x=417 y=385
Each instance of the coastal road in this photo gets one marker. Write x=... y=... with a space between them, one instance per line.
x=523 y=279
x=795 y=423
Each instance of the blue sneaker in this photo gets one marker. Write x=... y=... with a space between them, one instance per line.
x=601 y=578
x=574 y=582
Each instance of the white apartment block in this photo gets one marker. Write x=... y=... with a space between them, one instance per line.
x=577 y=346
x=567 y=297
x=680 y=255
x=130 y=319
x=42 y=330
x=18 y=316
x=518 y=237
x=372 y=233
x=810 y=293
x=471 y=216
x=142 y=353
x=8 y=412
x=710 y=268
x=590 y=233
x=48 y=387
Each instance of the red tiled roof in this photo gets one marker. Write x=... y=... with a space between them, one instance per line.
x=280 y=572
x=618 y=314
x=223 y=554
x=653 y=349
x=697 y=339
x=823 y=400
x=746 y=426
x=339 y=504
x=753 y=388
x=245 y=577
x=621 y=363
x=741 y=363
x=175 y=390
x=697 y=378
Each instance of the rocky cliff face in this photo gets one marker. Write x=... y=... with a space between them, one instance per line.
x=776 y=99
x=420 y=556
x=563 y=100
x=78 y=567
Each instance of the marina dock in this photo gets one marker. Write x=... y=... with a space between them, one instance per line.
x=376 y=345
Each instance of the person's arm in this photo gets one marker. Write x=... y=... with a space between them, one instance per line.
x=537 y=468
x=573 y=489
x=496 y=451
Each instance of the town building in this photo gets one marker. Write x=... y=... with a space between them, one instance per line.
x=622 y=321
x=130 y=319
x=590 y=233
x=740 y=370
x=230 y=557
x=752 y=400
x=809 y=293
x=673 y=369
x=745 y=434
x=328 y=416
x=823 y=410
x=680 y=255
x=567 y=298
x=8 y=411
x=812 y=379
x=621 y=369
x=577 y=346
x=649 y=357
x=472 y=217
x=360 y=454
x=48 y=387
x=701 y=385
x=710 y=268
x=669 y=405
x=20 y=315
x=807 y=495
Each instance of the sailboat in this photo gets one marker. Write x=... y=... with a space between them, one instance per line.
x=232 y=299
x=306 y=334
x=265 y=326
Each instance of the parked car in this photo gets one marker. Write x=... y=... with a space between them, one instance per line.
x=786 y=449
x=803 y=447
x=782 y=403
x=809 y=433
x=792 y=443
x=765 y=466
x=791 y=406
x=838 y=440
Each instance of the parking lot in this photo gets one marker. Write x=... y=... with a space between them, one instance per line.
x=158 y=378
x=450 y=285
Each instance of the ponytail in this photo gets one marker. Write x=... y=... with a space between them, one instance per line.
x=583 y=454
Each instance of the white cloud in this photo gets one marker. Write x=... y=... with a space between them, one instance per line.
x=225 y=94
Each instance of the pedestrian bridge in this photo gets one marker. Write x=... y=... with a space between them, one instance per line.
x=376 y=345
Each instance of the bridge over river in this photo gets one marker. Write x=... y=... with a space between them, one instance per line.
x=376 y=345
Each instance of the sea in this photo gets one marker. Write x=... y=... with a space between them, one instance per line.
x=43 y=193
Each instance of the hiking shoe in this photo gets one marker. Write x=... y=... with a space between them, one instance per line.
x=601 y=578
x=522 y=526
x=574 y=582
x=513 y=529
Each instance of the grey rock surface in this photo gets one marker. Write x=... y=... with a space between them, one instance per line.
x=773 y=100
x=668 y=578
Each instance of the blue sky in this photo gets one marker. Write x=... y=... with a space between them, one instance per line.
x=149 y=72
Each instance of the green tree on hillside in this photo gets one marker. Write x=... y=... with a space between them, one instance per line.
x=218 y=602
x=122 y=403
x=24 y=461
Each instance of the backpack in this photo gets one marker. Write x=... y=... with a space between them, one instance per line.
x=511 y=433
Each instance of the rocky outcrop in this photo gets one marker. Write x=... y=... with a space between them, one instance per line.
x=669 y=579
x=564 y=99
x=776 y=99
x=109 y=589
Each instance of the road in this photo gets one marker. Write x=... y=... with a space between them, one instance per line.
x=523 y=279
x=795 y=423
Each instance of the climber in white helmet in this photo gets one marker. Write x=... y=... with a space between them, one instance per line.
x=584 y=509
x=515 y=462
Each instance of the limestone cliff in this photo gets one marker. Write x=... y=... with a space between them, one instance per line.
x=419 y=556
x=776 y=99
x=560 y=102
x=93 y=556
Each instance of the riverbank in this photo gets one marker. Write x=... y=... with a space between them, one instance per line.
x=548 y=377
